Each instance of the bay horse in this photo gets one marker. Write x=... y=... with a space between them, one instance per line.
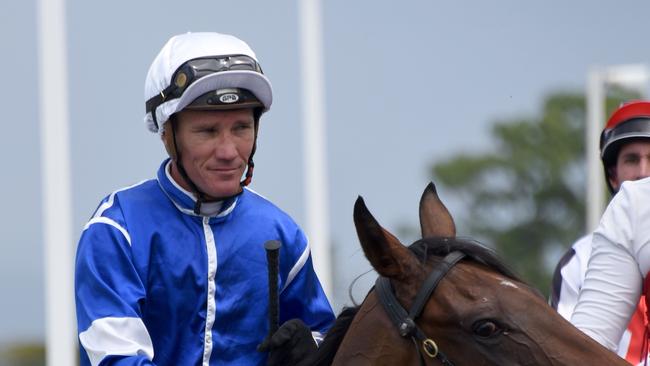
x=449 y=301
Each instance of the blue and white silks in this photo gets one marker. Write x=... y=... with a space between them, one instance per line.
x=156 y=284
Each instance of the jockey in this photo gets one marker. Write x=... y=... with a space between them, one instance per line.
x=619 y=261
x=172 y=270
x=624 y=145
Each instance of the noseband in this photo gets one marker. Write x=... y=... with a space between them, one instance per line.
x=404 y=321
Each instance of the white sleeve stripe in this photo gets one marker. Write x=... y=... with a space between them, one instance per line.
x=106 y=205
x=298 y=266
x=116 y=337
x=106 y=220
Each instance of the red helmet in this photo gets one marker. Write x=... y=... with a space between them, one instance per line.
x=630 y=121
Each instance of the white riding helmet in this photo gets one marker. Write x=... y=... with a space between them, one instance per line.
x=203 y=71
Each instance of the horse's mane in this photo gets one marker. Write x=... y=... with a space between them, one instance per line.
x=423 y=249
x=327 y=349
x=475 y=251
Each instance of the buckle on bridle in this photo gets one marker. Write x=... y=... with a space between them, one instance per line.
x=430 y=347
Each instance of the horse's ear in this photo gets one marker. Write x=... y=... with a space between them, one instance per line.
x=384 y=251
x=435 y=219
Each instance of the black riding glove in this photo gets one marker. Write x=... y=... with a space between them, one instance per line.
x=291 y=344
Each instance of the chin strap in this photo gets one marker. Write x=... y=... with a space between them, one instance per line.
x=251 y=165
x=257 y=113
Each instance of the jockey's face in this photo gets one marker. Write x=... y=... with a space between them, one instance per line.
x=632 y=163
x=214 y=147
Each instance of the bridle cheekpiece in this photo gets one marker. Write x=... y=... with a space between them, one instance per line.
x=405 y=322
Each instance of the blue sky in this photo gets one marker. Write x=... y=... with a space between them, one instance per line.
x=408 y=83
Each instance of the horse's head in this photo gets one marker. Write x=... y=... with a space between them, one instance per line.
x=478 y=312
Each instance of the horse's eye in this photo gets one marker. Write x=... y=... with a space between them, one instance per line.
x=486 y=328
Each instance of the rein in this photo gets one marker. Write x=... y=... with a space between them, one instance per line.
x=405 y=322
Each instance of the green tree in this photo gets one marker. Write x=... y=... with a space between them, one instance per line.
x=525 y=197
x=23 y=354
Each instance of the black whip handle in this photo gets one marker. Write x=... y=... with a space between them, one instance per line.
x=272 y=250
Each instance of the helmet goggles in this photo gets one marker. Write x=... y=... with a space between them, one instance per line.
x=195 y=69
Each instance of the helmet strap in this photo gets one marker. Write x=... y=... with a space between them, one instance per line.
x=251 y=165
x=610 y=172
x=257 y=113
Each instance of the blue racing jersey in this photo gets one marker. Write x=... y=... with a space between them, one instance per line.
x=156 y=284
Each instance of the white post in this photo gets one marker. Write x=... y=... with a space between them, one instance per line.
x=595 y=123
x=314 y=138
x=55 y=166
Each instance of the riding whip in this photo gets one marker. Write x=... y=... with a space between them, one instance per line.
x=272 y=250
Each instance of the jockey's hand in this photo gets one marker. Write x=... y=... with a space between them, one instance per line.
x=291 y=344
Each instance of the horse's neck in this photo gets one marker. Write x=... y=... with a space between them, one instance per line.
x=584 y=350
x=372 y=339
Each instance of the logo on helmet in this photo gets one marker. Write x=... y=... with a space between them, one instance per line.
x=229 y=98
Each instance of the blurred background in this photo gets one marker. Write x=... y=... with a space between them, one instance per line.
x=487 y=99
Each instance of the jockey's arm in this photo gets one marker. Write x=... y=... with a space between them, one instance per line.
x=614 y=278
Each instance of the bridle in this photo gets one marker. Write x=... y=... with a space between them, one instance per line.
x=405 y=322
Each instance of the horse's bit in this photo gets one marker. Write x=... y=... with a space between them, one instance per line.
x=404 y=321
